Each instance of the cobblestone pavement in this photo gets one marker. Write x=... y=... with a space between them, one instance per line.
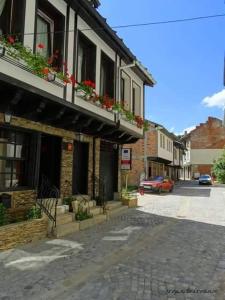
x=172 y=247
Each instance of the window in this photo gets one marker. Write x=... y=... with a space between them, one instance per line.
x=86 y=62
x=14 y=155
x=107 y=76
x=12 y=15
x=50 y=25
x=125 y=91
x=45 y=26
x=136 y=99
x=175 y=153
x=161 y=140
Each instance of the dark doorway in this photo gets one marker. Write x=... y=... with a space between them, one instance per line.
x=109 y=168
x=50 y=160
x=80 y=168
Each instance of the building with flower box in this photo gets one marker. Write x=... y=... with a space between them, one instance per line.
x=71 y=95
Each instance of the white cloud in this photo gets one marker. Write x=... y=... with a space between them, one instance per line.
x=217 y=100
x=188 y=129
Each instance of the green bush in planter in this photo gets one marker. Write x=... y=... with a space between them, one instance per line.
x=82 y=214
x=34 y=213
x=3 y=215
x=68 y=201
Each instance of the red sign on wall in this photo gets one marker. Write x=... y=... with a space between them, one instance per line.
x=126 y=160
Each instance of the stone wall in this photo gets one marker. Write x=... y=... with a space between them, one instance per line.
x=21 y=199
x=208 y=135
x=21 y=233
x=27 y=198
x=66 y=178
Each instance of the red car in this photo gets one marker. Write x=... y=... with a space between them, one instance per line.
x=158 y=184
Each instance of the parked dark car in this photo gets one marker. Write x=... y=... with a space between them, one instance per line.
x=205 y=179
x=157 y=184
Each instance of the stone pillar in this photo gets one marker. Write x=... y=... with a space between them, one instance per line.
x=66 y=171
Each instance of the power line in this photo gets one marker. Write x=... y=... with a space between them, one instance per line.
x=199 y=18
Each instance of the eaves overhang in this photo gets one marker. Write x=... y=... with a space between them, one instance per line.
x=31 y=103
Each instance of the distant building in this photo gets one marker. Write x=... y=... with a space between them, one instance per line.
x=203 y=145
x=160 y=153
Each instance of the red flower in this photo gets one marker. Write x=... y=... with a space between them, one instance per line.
x=73 y=80
x=11 y=40
x=41 y=46
x=66 y=80
x=50 y=60
x=45 y=71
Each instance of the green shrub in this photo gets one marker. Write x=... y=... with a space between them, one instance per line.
x=34 y=213
x=219 y=168
x=3 y=215
x=68 y=200
x=81 y=215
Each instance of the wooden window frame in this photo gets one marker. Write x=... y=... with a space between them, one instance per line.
x=51 y=23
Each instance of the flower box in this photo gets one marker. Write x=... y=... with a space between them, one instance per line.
x=130 y=202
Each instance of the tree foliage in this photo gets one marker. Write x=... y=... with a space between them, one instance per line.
x=219 y=168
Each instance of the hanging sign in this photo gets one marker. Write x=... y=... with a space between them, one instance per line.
x=126 y=159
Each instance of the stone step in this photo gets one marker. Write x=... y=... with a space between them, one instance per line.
x=89 y=204
x=64 y=229
x=96 y=211
x=82 y=197
x=64 y=218
x=92 y=221
x=116 y=211
x=113 y=205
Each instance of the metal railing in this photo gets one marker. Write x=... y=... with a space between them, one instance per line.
x=47 y=199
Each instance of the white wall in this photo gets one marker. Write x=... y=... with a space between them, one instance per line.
x=205 y=156
x=163 y=152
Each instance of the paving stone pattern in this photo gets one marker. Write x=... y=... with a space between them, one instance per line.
x=160 y=257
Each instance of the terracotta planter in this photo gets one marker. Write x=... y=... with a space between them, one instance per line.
x=131 y=202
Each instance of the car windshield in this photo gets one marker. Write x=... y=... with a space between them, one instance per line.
x=158 y=178
x=205 y=177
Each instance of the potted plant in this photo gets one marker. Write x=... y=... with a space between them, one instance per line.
x=68 y=201
x=129 y=198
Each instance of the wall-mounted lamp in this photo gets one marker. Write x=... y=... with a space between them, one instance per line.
x=51 y=77
x=2 y=51
x=7 y=117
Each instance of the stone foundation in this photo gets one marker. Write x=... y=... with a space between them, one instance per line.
x=21 y=233
x=22 y=199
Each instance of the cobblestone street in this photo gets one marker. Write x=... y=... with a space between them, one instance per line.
x=172 y=247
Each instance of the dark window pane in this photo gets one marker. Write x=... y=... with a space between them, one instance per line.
x=18 y=166
x=54 y=40
x=15 y=180
x=7 y=136
x=19 y=152
x=44 y=36
x=12 y=16
x=5 y=181
x=86 y=63
x=15 y=160
x=107 y=76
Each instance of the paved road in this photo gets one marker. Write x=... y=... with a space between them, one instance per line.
x=171 y=248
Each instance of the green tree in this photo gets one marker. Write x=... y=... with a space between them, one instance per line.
x=219 y=168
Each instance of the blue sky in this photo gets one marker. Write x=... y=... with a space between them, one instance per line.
x=186 y=59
